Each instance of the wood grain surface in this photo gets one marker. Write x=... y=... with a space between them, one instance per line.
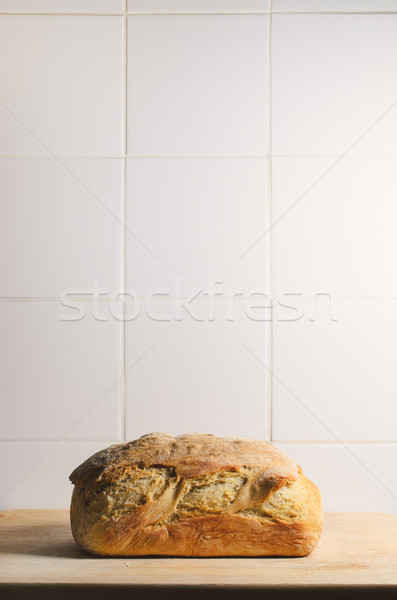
x=356 y=557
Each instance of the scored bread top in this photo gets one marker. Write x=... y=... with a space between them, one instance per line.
x=192 y=455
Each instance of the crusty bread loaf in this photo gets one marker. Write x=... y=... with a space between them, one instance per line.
x=194 y=495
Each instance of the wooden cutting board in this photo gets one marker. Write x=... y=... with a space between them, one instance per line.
x=356 y=558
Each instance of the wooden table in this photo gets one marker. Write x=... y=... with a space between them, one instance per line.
x=356 y=558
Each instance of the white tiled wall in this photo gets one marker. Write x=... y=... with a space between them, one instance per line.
x=61 y=85
x=205 y=92
x=190 y=212
x=198 y=376
x=60 y=225
x=232 y=164
x=333 y=83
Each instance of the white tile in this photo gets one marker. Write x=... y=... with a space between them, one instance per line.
x=353 y=479
x=197 y=216
x=335 y=378
x=59 y=377
x=339 y=237
x=61 y=6
x=36 y=475
x=196 y=5
x=59 y=227
x=197 y=376
x=331 y=82
x=334 y=5
x=204 y=93
x=61 y=84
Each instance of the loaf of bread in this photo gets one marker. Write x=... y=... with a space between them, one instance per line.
x=194 y=495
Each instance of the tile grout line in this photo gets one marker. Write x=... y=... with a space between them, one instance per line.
x=335 y=442
x=65 y=156
x=196 y=156
x=291 y=442
x=268 y=245
x=74 y=298
x=264 y=12
x=334 y=12
x=140 y=156
x=198 y=13
x=337 y=155
x=204 y=296
x=123 y=233
x=170 y=13
x=58 y=14
x=192 y=156
x=137 y=14
x=64 y=441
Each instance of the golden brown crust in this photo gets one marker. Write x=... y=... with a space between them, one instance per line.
x=194 y=495
x=191 y=454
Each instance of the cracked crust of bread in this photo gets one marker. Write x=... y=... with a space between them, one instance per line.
x=194 y=495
